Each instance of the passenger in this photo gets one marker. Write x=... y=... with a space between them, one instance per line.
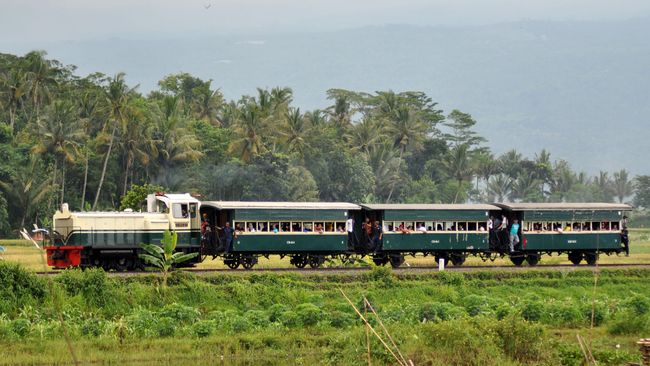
x=514 y=235
x=376 y=236
x=229 y=234
x=367 y=230
x=585 y=226
x=318 y=229
x=624 y=222
x=576 y=226
x=439 y=227
x=341 y=229
x=625 y=240
x=481 y=228
x=410 y=228
x=422 y=228
x=275 y=229
x=251 y=228
x=349 y=227
x=604 y=225
x=205 y=224
x=184 y=212
x=615 y=227
x=461 y=227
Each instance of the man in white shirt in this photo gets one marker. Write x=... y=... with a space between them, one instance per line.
x=349 y=228
x=422 y=228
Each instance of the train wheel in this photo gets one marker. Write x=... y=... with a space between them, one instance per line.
x=591 y=258
x=380 y=260
x=248 y=261
x=458 y=259
x=232 y=261
x=396 y=260
x=517 y=260
x=121 y=265
x=575 y=257
x=299 y=261
x=316 y=261
x=533 y=259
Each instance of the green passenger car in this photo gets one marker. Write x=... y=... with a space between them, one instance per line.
x=306 y=231
x=580 y=229
x=448 y=231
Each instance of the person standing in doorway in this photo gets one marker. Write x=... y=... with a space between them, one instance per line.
x=349 y=228
x=228 y=234
x=514 y=235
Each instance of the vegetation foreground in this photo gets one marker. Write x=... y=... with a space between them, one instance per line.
x=477 y=318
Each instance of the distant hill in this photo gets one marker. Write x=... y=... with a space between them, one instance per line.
x=579 y=89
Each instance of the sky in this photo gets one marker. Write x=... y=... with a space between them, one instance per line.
x=69 y=20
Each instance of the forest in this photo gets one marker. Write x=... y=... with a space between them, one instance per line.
x=88 y=140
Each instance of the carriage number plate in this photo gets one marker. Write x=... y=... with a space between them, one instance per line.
x=572 y=241
x=291 y=242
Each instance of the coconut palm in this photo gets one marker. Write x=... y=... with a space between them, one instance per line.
x=385 y=164
x=13 y=92
x=499 y=188
x=249 y=126
x=293 y=132
x=525 y=188
x=363 y=135
x=118 y=98
x=623 y=186
x=207 y=103
x=60 y=133
x=27 y=189
x=41 y=77
x=605 y=186
x=458 y=166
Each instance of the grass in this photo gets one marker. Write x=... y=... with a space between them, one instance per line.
x=23 y=252
x=484 y=317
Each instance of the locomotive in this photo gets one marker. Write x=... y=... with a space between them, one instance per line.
x=311 y=232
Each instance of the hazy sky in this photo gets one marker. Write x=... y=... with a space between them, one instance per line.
x=52 y=20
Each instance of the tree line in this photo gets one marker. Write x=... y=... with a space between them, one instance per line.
x=88 y=140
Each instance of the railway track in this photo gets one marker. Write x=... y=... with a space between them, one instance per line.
x=404 y=269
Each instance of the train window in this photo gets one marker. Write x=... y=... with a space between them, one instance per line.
x=471 y=226
x=162 y=207
x=340 y=226
x=285 y=227
x=595 y=225
x=179 y=210
x=319 y=227
x=193 y=210
x=604 y=225
x=329 y=227
x=274 y=226
x=308 y=226
x=263 y=226
x=614 y=226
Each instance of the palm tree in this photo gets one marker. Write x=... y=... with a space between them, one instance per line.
x=13 y=91
x=41 y=76
x=27 y=189
x=136 y=142
x=409 y=132
x=525 y=188
x=363 y=135
x=499 y=188
x=458 y=166
x=385 y=164
x=605 y=186
x=623 y=186
x=60 y=133
x=118 y=98
x=207 y=103
x=510 y=163
x=563 y=180
x=249 y=125
x=293 y=132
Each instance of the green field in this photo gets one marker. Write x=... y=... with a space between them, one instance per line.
x=21 y=251
x=474 y=318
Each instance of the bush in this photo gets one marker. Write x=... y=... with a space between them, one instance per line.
x=257 y=318
x=638 y=304
x=142 y=322
x=290 y=319
x=532 y=310
x=92 y=284
x=180 y=313
x=520 y=340
x=629 y=323
x=477 y=305
x=203 y=329
x=91 y=327
x=275 y=311
x=18 y=288
x=166 y=326
x=239 y=324
x=340 y=319
x=21 y=327
x=309 y=314
x=439 y=311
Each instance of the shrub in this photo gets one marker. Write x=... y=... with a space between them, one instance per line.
x=290 y=319
x=275 y=311
x=166 y=326
x=257 y=318
x=142 y=322
x=180 y=313
x=532 y=310
x=18 y=288
x=91 y=327
x=239 y=324
x=340 y=319
x=639 y=304
x=437 y=311
x=203 y=328
x=520 y=340
x=309 y=314
x=92 y=284
x=21 y=327
x=629 y=322
x=477 y=305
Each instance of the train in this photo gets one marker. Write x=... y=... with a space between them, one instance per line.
x=310 y=233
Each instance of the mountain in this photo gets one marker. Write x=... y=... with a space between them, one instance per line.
x=578 y=89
